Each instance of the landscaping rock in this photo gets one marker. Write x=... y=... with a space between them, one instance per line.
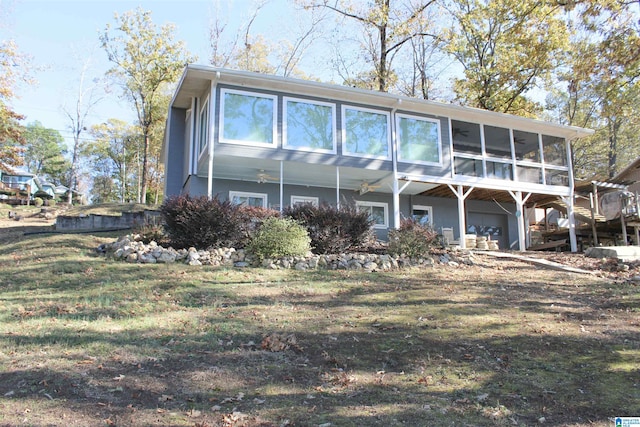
x=128 y=249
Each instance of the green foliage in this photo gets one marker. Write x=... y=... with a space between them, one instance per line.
x=44 y=152
x=146 y=60
x=51 y=203
x=506 y=47
x=331 y=229
x=38 y=202
x=412 y=239
x=279 y=237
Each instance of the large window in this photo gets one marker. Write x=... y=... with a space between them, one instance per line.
x=365 y=132
x=378 y=212
x=203 y=126
x=249 y=199
x=466 y=137
x=526 y=145
x=309 y=125
x=418 y=139
x=247 y=118
x=554 y=150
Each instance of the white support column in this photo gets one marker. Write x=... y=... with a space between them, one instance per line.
x=396 y=203
x=462 y=224
x=281 y=185
x=573 y=240
x=337 y=187
x=522 y=234
x=210 y=133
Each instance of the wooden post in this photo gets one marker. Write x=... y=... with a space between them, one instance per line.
x=595 y=197
x=594 y=230
x=624 y=225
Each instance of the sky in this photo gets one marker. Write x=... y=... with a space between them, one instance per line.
x=59 y=36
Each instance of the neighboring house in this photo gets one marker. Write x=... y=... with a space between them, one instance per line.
x=19 y=183
x=630 y=176
x=273 y=141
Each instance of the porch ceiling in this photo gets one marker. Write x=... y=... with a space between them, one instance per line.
x=311 y=175
x=500 y=196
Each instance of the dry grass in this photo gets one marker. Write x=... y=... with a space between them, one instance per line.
x=88 y=341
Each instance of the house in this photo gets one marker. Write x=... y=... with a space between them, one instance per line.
x=273 y=141
x=16 y=184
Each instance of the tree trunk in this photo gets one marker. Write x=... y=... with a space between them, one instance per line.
x=145 y=167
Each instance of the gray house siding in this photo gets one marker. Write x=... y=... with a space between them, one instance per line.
x=175 y=170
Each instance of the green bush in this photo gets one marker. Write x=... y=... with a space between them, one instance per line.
x=279 y=237
x=412 y=239
x=38 y=202
x=51 y=203
x=251 y=218
x=331 y=229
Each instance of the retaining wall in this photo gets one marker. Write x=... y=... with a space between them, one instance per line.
x=101 y=222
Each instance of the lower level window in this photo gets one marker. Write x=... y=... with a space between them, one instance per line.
x=378 y=212
x=249 y=199
x=422 y=214
x=303 y=200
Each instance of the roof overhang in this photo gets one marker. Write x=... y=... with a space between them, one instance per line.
x=196 y=79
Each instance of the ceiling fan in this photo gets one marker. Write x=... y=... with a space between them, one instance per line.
x=365 y=187
x=263 y=177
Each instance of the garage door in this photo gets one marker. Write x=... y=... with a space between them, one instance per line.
x=489 y=224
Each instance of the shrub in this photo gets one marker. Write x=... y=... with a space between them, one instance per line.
x=251 y=218
x=279 y=237
x=51 y=203
x=151 y=231
x=412 y=239
x=201 y=222
x=332 y=229
x=38 y=202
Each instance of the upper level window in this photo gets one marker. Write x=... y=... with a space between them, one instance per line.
x=418 y=139
x=365 y=132
x=247 y=118
x=309 y=125
x=466 y=137
x=497 y=142
x=554 y=150
x=526 y=146
x=249 y=199
x=203 y=126
x=378 y=212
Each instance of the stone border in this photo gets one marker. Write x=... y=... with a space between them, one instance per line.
x=128 y=249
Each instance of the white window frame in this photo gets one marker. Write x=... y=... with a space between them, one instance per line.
x=385 y=206
x=202 y=146
x=387 y=114
x=304 y=199
x=424 y=119
x=285 y=118
x=262 y=196
x=424 y=208
x=274 y=120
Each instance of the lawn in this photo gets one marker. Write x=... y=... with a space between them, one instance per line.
x=89 y=341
